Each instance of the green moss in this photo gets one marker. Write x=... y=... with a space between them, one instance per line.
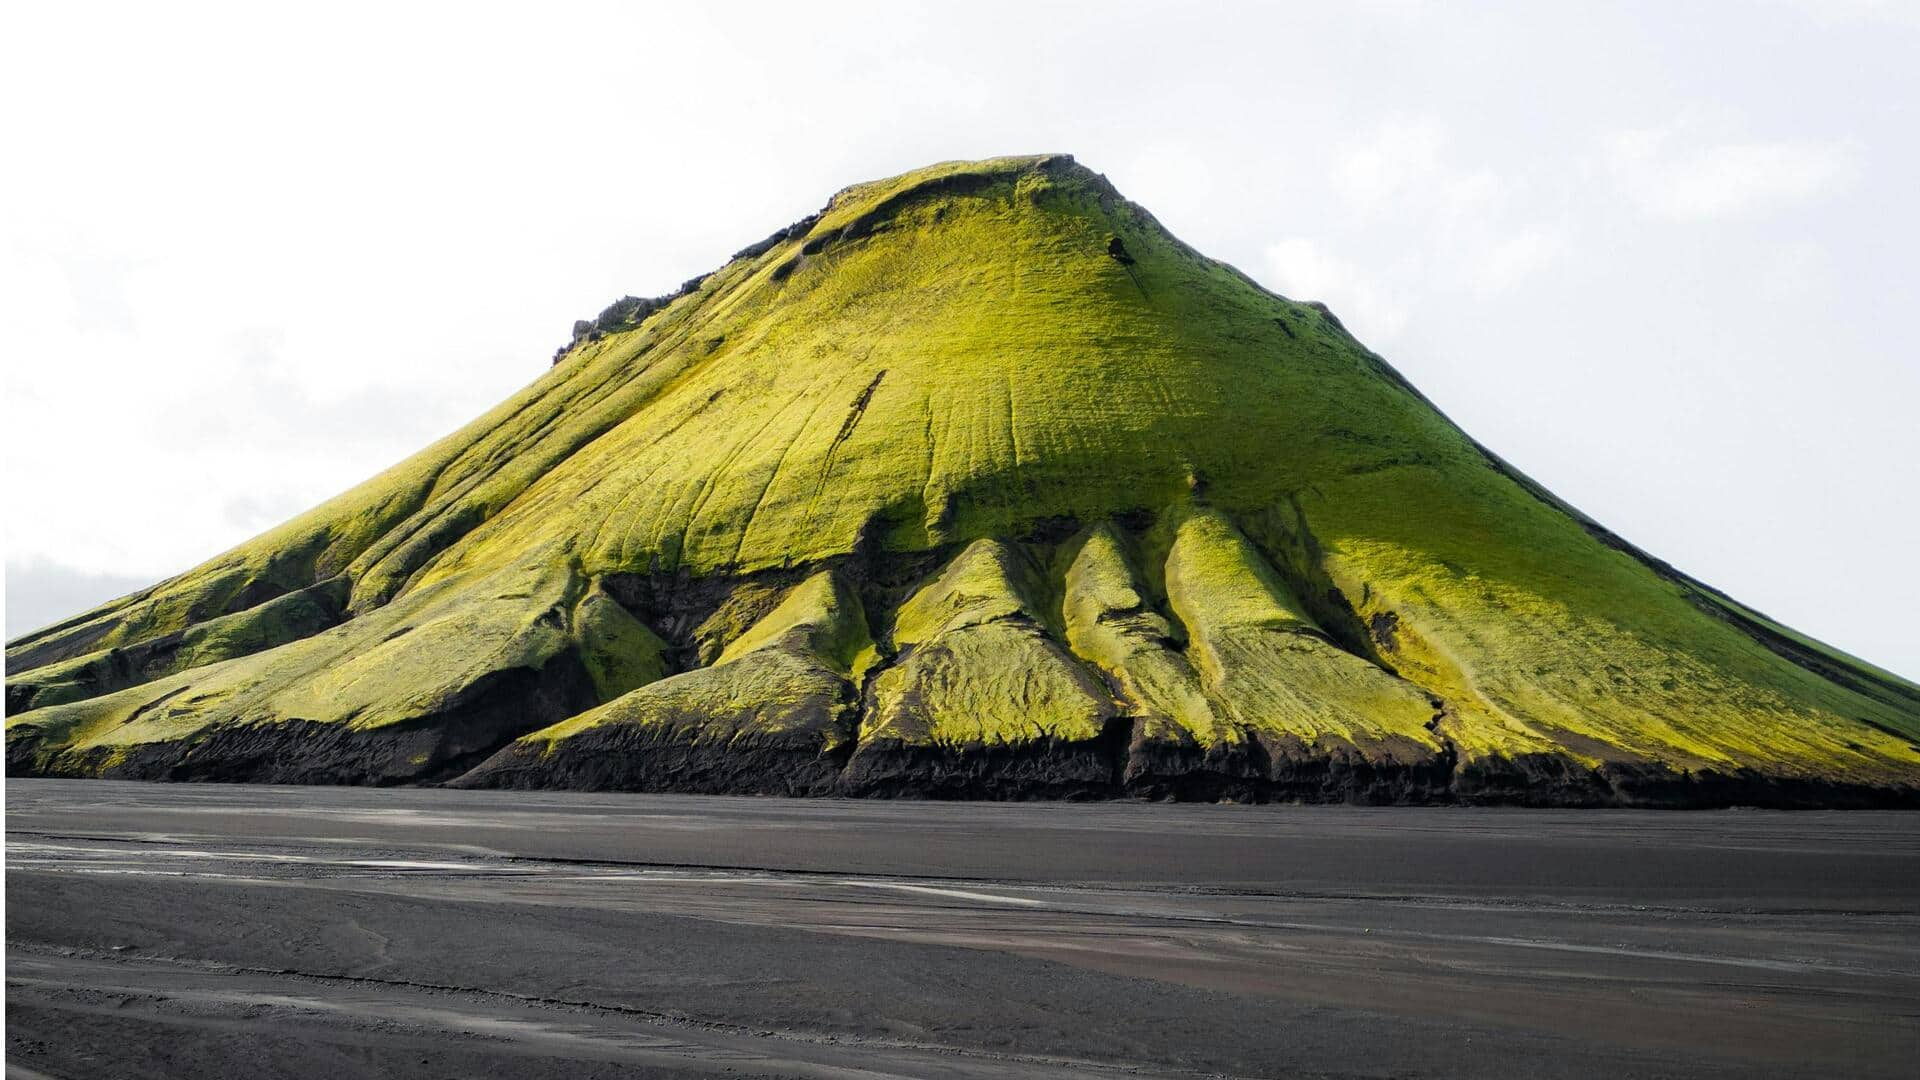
x=978 y=668
x=820 y=615
x=1267 y=664
x=1111 y=624
x=620 y=652
x=785 y=676
x=279 y=621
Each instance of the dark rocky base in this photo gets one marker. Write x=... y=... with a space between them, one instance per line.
x=1112 y=767
x=1267 y=769
x=492 y=711
x=1045 y=770
x=766 y=765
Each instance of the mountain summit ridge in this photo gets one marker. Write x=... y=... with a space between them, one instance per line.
x=934 y=493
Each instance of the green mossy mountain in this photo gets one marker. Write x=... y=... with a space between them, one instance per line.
x=978 y=483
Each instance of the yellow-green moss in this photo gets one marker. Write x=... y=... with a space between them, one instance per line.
x=1267 y=664
x=978 y=668
x=1111 y=624
x=786 y=673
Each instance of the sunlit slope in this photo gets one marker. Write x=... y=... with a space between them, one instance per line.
x=1068 y=508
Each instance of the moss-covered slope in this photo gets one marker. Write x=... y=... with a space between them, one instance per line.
x=977 y=483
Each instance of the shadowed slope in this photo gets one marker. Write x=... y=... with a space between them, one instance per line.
x=1115 y=525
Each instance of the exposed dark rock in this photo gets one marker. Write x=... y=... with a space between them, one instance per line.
x=625 y=313
x=437 y=746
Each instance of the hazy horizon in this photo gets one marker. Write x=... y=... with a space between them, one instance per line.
x=257 y=257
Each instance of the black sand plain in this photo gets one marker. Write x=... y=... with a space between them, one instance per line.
x=207 y=930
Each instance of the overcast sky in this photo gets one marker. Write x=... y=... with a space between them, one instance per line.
x=1663 y=257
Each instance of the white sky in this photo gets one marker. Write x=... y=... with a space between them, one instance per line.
x=1664 y=257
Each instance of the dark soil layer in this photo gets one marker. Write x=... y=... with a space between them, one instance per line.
x=1089 y=771
x=1103 y=769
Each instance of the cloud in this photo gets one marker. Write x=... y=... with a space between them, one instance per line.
x=221 y=304
x=1903 y=13
x=1674 y=172
x=1426 y=220
x=41 y=592
x=1404 y=168
x=1506 y=263
x=1373 y=172
x=1298 y=268
x=251 y=513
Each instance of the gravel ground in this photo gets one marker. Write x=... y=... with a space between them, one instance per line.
x=175 y=930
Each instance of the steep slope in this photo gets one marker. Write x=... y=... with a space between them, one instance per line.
x=977 y=483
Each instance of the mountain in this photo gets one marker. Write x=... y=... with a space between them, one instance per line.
x=977 y=483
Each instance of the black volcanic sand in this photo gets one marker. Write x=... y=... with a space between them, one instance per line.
x=201 y=931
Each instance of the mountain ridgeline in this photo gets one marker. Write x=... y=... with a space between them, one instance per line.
x=976 y=484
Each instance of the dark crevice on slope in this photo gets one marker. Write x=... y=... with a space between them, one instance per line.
x=1286 y=540
x=693 y=614
x=855 y=411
